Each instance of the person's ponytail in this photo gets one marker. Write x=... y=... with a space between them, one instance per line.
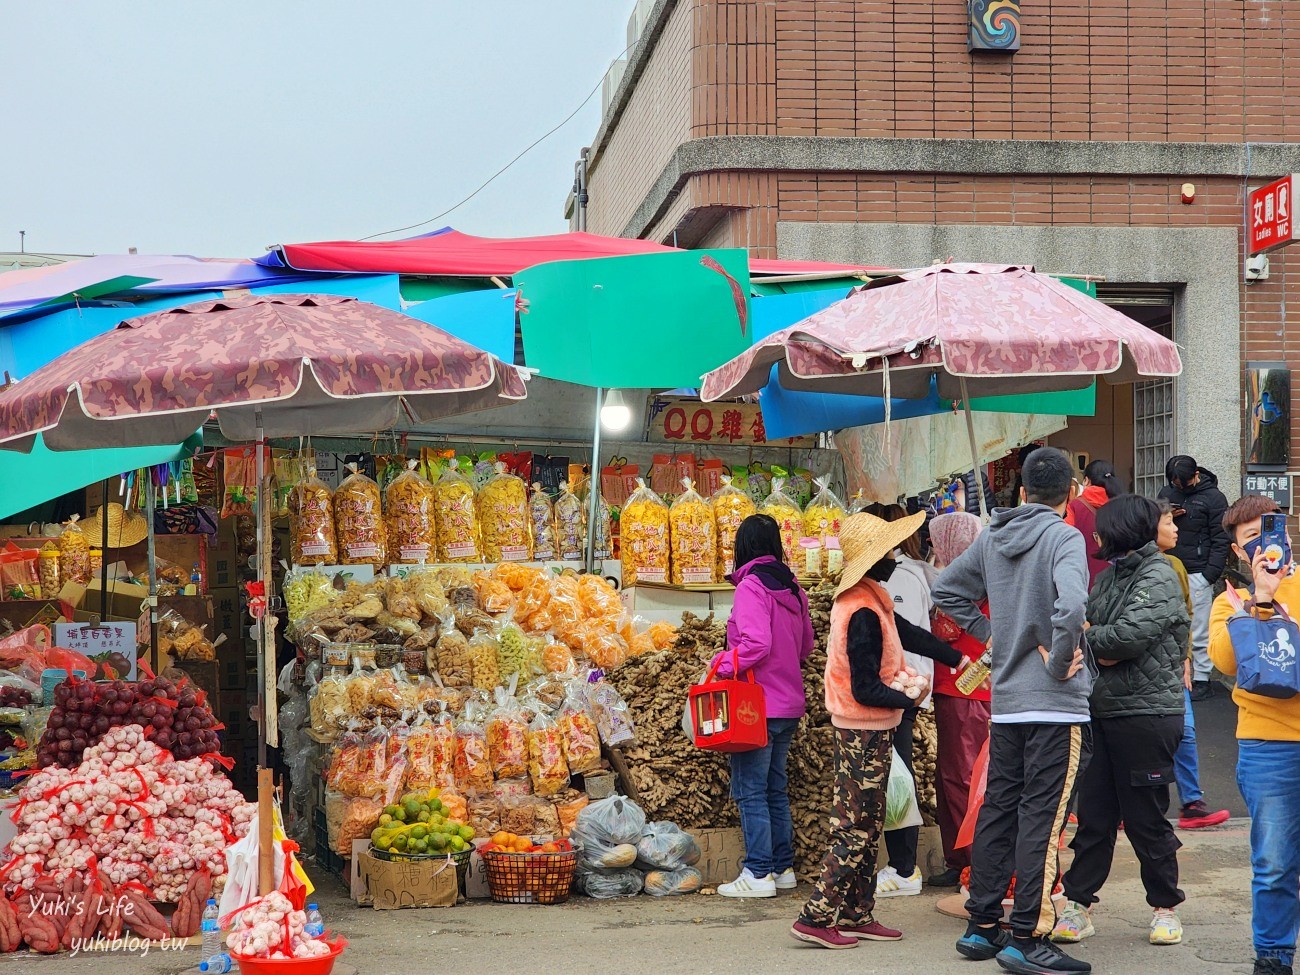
x=1102 y=474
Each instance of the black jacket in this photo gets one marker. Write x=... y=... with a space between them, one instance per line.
x=1203 y=545
x=866 y=645
x=1137 y=615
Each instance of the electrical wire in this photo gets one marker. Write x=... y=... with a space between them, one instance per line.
x=529 y=148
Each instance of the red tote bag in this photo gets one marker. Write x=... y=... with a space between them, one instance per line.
x=728 y=715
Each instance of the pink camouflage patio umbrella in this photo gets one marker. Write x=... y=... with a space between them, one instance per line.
x=975 y=329
x=268 y=365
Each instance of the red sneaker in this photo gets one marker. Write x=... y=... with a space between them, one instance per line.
x=821 y=937
x=1197 y=815
x=871 y=931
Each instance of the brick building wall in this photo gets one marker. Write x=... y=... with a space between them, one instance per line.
x=746 y=115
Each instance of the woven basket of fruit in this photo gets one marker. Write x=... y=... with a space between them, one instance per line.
x=521 y=872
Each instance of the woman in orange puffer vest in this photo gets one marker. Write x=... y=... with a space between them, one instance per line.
x=864 y=657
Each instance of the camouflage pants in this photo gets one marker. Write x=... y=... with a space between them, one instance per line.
x=845 y=893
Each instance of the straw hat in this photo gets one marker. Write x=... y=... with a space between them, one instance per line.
x=867 y=539
x=124 y=528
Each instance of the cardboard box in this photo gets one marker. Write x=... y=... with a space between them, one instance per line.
x=423 y=883
x=476 y=885
x=22 y=613
x=357 y=886
x=721 y=851
x=223 y=558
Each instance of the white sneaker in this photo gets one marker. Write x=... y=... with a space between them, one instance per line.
x=889 y=883
x=747 y=885
x=787 y=880
x=1166 y=929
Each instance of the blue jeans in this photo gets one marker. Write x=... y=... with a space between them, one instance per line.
x=1268 y=775
x=1187 y=767
x=758 y=784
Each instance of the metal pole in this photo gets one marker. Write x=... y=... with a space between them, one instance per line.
x=580 y=189
x=593 y=487
x=974 y=451
x=103 y=555
x=150 y=499
x=260 y=624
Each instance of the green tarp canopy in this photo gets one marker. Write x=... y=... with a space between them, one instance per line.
x=648 y=321
x=32 y=479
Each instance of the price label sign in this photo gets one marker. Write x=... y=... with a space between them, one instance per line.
x=112 y=646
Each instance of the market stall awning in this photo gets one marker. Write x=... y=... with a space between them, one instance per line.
x=450 y=253
x=791 y=413
x=96 y=277
x=657 y=320
x=32 y=479
x=282 y=365
x=485 y=319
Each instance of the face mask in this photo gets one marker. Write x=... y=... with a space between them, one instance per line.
x=1253 y=546
x=882 y=570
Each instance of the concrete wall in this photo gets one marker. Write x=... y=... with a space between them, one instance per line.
x=1207 y=319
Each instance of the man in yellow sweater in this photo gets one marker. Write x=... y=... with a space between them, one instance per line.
x=1268 y=764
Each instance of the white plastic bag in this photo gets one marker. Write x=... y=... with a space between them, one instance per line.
x=901 y=809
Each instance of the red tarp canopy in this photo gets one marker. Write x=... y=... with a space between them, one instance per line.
x=454 y=254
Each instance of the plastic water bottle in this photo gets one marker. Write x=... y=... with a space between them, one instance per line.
x=217 y=964
x=315 y=927
x=211 y=929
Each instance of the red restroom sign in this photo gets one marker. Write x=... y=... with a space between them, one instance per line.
x=1269 y=216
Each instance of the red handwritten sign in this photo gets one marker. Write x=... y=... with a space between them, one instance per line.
x=679 y=419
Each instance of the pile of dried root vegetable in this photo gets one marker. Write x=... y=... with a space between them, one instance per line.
x=690 y=787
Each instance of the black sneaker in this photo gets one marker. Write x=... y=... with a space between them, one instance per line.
x=1202 y=690
x=1271 y=966
x=1039 y=957
x=949 y=878
x=981 y=944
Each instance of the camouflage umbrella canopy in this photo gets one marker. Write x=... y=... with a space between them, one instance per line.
x=271 y=365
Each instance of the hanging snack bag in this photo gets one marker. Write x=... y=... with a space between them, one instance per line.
x=507 y=737
x=456 y=517
x=581 y=739
x=694 y=538
x=644 y=537
x=546 y=764
x=453 y=661
x=603 y=539
x=541 y=514
x=858 y=503
x=239 y=470
x=74 y=553
x=473 y=761
x=311 y=523
x=483 y=650
x=569 y=525
x=824 y=514
x=731 y=506
x=20 y=576
x=504 y=521
x=358 y=521
x=431 y=753
x=781 y=508
x=408 y=513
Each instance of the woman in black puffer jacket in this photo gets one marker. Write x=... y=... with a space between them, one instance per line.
x=1137 y=634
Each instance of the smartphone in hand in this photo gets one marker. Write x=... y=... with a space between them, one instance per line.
x=1273 y=542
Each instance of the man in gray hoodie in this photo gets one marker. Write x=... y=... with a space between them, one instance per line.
x=1032 y=569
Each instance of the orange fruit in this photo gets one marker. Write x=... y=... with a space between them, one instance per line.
x=502 y=838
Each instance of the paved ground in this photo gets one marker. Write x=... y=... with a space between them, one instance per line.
x=712 y=936
x=1216 y=734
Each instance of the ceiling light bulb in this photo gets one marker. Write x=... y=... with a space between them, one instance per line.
x=614 y=413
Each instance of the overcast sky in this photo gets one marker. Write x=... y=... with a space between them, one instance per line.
x=216 y=129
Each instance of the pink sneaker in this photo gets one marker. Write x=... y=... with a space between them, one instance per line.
x=821 y=937
x=871 y=931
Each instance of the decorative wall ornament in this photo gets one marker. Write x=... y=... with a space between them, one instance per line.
x=994 y=25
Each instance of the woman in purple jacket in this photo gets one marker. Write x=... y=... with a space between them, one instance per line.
x=771 y=631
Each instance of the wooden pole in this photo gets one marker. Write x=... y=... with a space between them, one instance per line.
x=265 y=831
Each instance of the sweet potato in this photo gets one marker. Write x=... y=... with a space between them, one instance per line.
x=40 y=933
x=141 y=916
x=112 y=921
x=188 y=918
x=78 y=919
x=10 y=936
